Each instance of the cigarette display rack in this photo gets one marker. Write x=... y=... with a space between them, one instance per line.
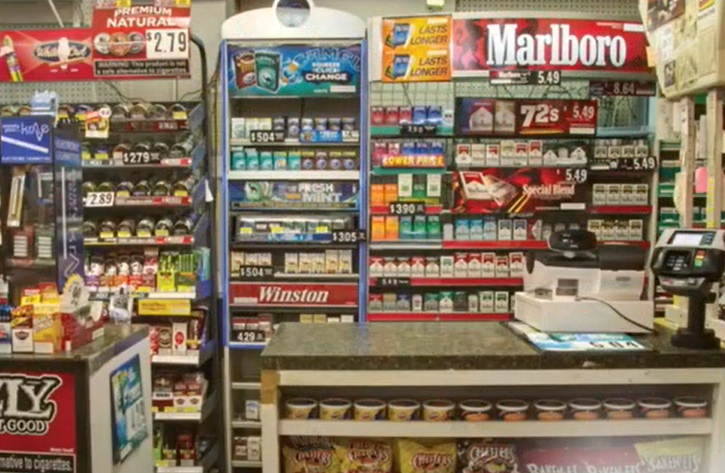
x=147 y=231
x=294 y=188
x=470 y=173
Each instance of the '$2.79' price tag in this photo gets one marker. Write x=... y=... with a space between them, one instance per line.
x=167 y=44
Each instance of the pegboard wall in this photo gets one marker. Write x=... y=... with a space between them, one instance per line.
x=611 y=8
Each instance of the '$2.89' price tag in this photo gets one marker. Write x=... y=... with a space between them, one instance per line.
x=167 y=44
x=99 y=199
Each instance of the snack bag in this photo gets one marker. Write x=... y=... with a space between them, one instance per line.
x=310 y=459
x=416 y=458
x=479 y=456
x=365 y=456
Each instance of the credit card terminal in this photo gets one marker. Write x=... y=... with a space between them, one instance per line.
x=688 y=263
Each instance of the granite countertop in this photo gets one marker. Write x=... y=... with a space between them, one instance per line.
x=454 y=345
x=116 y=339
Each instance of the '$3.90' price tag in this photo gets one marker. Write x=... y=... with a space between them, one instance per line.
x=167 y=44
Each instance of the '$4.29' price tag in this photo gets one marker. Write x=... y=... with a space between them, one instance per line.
x=167 y=44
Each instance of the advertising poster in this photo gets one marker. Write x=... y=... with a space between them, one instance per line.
x=25 y=140
x=294 y=70
x=37 y=422
x=417 y=49
x=294 y=294
x=124 y=43
x=69 y=216
x=487 y=117
x=312 y=195
x=129 y=411
x=525 y=190
x=480 y=45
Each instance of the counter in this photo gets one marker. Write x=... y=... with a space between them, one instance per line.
x=477 y=360
x=59 y=409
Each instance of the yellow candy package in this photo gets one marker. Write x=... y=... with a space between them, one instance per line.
x=414 y=457
x=310 y=459
x=365 y=456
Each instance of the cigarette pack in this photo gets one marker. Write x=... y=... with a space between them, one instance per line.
x=391 y=267
x=478 y=154
x=432 y=267
x=614 y=192
x=332 y=261
x=463 y=155
x=474 y=265
x=599 y=194
x=505 y=231
x=501 y=302
x=404 y=270
x=460 y=267
x=621 y=231
x=502 y=266
x=447 y=266
x=636 y=230
x=627 y=196
x=595 y=226
x=516 y=264
x=493 y=155
x=291 y=262
x=488 y=265
x=405 y=185
x=433 y=187
x=486 y=301
x=179 y=337
x=641 y=194
x=345 y=262
x=417 y=266
x=521 y=228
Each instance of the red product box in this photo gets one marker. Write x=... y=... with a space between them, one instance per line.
x=377 y=115
x=392 y=115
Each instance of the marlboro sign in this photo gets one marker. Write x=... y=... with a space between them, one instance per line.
x=527 y=44
x=293 y=294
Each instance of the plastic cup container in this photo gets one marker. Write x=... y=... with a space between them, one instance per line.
x=691 y=407
x=513 y=410
x=585 y=409
x=619 y=408
x=369 y=409
x=550 y=410
x=438 y=410
x=474 y=410
x=654 y=408
x=403 y=410
x=300 y=408
x=335 y=409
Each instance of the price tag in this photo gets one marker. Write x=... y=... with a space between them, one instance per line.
x=249 y=336
x=99 y=199
x=266 y=136
x=256 y=272
x=140 y=157
x=581 y=117
x=345 y=236
x=393 y=282
x=167 y=44
x=546 y=78
x=418 y=130
x=541 y=117
x=406 y=208
x=644 y=164
x=621 y=88
x=578 y=175
x=608 y=345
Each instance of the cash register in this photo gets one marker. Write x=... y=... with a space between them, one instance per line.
x=688 y=263
x=577 y=285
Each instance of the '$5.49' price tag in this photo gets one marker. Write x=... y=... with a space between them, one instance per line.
x=167 y=44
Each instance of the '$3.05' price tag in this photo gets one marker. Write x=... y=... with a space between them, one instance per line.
x=167 y=44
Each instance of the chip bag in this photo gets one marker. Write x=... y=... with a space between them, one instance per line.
x=310 y=459
x=480 y=456
x=416 y=458
x=365 y=456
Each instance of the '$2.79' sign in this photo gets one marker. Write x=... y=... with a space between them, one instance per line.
x=557 y=117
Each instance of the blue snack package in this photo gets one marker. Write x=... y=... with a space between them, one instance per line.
x=435 y=115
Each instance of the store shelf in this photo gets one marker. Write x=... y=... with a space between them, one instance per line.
x=210 y=404
x=248 y=346
x=294 y=175
x=641 y=244
x=247 y=424
x=438 y=317
x=206 y=463
x=186 y=240
x=379 y=171
x=114 y=164
x=293 y=143
x=194 y=118
x=312 y=277
x=529 y=429
x=246 y=464
x=394 y=131
x=406 y=245
x=494 y=245
x=452 y=282
x=620 y=210
x=202 y=292
x=195 y=359
x=246 y=386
